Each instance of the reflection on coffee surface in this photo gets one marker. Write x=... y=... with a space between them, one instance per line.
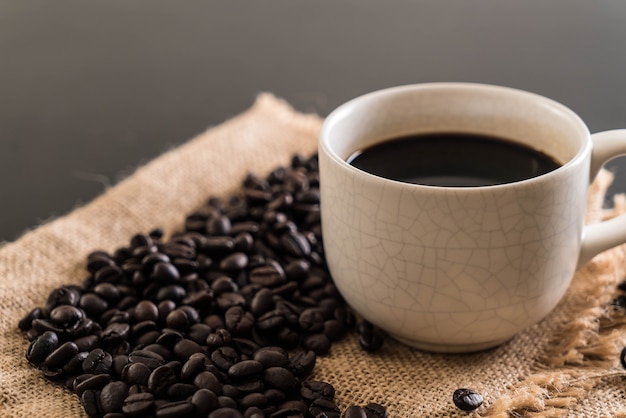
x=453 y=160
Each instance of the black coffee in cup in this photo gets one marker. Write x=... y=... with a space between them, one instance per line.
x=453 y=160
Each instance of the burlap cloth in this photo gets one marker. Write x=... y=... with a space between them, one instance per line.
x=566 y=365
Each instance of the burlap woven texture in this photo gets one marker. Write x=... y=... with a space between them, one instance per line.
x=566 y=365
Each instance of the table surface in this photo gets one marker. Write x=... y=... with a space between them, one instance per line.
x=91 y=90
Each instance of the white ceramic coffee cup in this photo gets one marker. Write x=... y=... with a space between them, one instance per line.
x=457 y=269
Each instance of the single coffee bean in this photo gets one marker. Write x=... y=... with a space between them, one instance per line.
x=205 y=401
x=322 y=405
x=234 y=262
x=94 y=382
x=467 y=399
x=91 y=402
x=112 y=396
x=272 y=357
x=225 y=412
x=160 y=380
x=176 y=409
x=75 y=364
x=245 y=369
x=238 y=321
x=138 y=404
x=93 y=304
x=41 y=347
x=65 y=295
x=267 y=276
x=114 y=333
x=193 y=366
x=318 y=343
x=180 y=391
x=280 y=378
x=136 y=374
x=185 y=348
x=254 y=412
x=208 y=380
x=148 y=358
x=224 y=357
x=146 y=311
x=370 y=337
x=98 y=361
x=354 y=412
x=26 y=322
x=164 y=273
x=313 y=389
x=302 y=363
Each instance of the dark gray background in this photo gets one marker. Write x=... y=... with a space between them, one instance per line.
x=89 y=90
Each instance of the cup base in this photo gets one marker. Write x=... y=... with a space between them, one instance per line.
x=450 y=348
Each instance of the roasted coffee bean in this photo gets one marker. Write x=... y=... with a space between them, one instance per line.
x=91 y=402
x=180 y=391
x=26 y=322
x=238 y=321
x=136 y=374
x=146 y=311
x=374 y=410
x=234 y=262
x=114 y=333
x=164 y=272
x=322 y=405
x=112 y=396
x=370 y=337
x=92 y=304
x=254 y=412
x=288 y=413
x=302 y=363
x=41 y=347
x=98 y=361
x=159 y=349
x=267 y=276
x=225 y=412
x=219 y=338
x=208 y=380
x=253 y=399
x=67 y=316
x=174 y=294
x=245 y=369
x=318 y=343
x=224 y=357
x=93 y=382
x=311 y=320
x=185 y=348
x=467 y=399
x=177 y=409
x=262 y=302
x=280 y=378
x=193 y=366
x=354 y=412
x=272 y=357
x=313 y=389
x=65 y=295
x=295 y=244
x=75 y=364
x=160 y=380
x=61 y=355
x=148 y=358
x=204 y=401
x=86 y=343
x=138 y=404
x=224 y=284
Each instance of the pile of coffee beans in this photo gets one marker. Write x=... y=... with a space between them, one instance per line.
x=224 y=319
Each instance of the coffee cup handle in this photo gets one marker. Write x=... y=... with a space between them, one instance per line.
x=601 y=236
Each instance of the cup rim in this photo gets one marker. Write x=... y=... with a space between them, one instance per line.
x=341 y=111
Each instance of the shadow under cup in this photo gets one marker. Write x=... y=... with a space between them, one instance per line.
x=453 y=269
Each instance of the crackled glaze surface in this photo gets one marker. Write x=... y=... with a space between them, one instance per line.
x=449 y=269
